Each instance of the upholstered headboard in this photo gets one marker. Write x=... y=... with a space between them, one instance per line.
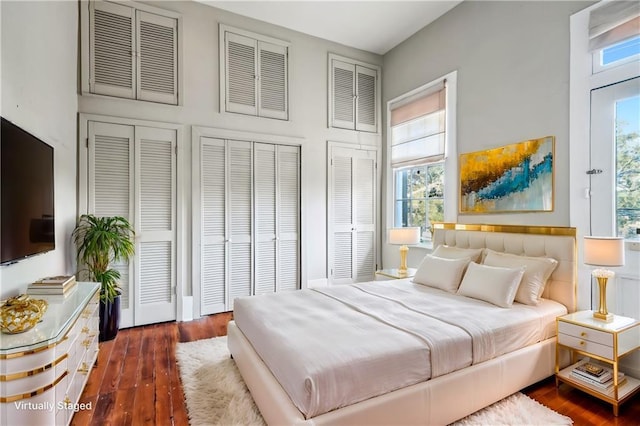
x=542 y=241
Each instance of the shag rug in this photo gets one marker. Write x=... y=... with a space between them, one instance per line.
x=215 y=393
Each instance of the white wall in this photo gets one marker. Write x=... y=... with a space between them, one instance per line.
x=200 y=106
x=512 y=60
x=39 y=79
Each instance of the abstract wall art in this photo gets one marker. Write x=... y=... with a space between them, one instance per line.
x=513 y=178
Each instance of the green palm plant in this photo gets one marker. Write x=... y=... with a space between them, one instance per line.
x=100 y=241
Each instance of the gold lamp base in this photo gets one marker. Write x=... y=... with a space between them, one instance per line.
x=602 y=313
x=403 y=259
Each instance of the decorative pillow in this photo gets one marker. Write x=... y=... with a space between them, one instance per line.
x=441 y=273
x=491 y=283
x=449 y=252
x=538 y=270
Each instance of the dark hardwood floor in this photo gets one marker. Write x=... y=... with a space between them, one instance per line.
x=137 y=382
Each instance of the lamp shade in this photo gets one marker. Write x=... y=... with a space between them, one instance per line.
x=403 y=236
x=604 y=251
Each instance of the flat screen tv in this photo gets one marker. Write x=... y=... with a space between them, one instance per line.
x=26 y=199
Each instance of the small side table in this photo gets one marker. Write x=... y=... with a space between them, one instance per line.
x=394 y=274
x=606 y=342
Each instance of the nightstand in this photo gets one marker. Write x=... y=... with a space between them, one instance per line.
x=605 y=342
x=394 y=274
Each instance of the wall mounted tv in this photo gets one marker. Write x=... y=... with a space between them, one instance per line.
x=26 y=199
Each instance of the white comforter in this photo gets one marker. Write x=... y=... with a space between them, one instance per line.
x=335 y=346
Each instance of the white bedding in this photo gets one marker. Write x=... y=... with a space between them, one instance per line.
x=344 y=344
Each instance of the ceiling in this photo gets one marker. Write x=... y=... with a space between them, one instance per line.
x=374 y=26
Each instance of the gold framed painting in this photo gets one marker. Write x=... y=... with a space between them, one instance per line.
x=513 y=178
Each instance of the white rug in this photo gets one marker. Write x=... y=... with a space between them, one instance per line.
x=215 y=393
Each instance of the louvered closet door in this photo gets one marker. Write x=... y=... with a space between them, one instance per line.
x=273 y=80
x=155 y=298
x=288 y=218
x=277 y=219
x=366 y=111
x=364 y=201
x=240 y=190
x=343 y=85
x=264 y=179
x=157 y=46
x=110 y=190
x=240 y=74
x=352 y=233
x=213 y=225
x=112 y=36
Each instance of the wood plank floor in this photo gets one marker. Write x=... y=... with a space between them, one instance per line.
x=136 y=381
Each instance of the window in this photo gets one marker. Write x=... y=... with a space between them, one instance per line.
x=253 y=74
x=133 y=53
x=418 y=139
x=419 y=197
x=627 y=140
x=353 y=94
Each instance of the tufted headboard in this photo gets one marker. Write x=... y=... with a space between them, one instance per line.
x=542 y=241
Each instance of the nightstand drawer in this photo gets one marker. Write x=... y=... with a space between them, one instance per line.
x=585 y=333
x=586 y=345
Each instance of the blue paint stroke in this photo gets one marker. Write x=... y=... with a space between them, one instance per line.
x=516 y=179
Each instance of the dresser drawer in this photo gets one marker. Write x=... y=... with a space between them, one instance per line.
x=586 y=346
x=586 y=333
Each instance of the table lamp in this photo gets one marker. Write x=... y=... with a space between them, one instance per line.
x=402 y=237
x=603 y=251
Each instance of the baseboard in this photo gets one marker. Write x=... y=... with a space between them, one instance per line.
x=186 y=313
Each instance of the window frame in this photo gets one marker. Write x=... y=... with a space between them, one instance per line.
x=450 y=161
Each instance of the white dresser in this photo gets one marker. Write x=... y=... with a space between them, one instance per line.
x=43 y=370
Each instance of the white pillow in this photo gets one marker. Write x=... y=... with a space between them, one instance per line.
x=538 y=270
x=491 y=283
x=437 y=272
x=449 y=252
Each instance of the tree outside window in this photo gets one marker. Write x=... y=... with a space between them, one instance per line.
x=628 y=168
x=419 y=197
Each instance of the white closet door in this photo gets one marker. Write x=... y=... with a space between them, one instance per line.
x=343 y=78
x=352 y=228
x=288 y=218
x=241 y=82
x=277 y=218
x=111 y=191
x=213 y=225
x=365 y=207
x=264 y=179
x=366 y=111
x=112 y=35
x=273 y=80
x=155 y=298
x=157 y=59
x=240 y=190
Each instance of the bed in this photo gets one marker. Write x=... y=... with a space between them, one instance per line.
x=372 y=353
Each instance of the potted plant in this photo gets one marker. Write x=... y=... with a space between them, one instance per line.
x=101 y=241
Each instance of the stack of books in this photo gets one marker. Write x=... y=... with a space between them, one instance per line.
x=596 y=375
x=61 y=285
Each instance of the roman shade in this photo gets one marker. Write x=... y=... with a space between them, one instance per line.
x=612 y=23
x=418 y=128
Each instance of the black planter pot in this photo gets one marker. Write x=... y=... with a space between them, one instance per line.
x=109 y=319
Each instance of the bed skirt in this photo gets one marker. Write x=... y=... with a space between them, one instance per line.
x=440 y=401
